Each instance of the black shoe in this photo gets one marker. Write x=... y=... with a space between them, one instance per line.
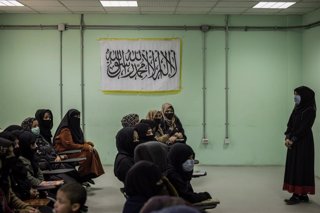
x=86 y=184
x=91 y=181
x=293 y=200
x=304 y=198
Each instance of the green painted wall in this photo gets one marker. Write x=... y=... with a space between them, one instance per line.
x=264 y=67
x=311 y=74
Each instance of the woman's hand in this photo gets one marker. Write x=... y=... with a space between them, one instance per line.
x=90 y=143
x=288 y=143
x=178 y=135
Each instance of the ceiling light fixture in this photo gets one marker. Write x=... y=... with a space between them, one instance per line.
x=274 y=5
x=10 y=3
x=119 y=3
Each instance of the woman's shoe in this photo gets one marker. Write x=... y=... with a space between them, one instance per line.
x=304 y=198
x=293 y=200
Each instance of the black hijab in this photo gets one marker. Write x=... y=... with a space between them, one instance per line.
x=73 y=124
x=307 y=98
x=4 y=167
x=143 y=180
x=124 y=141
x=154 y=152
x=142 y=130
x=177 y=155
x=12 y=128
x=26 y=139
x=45 y=125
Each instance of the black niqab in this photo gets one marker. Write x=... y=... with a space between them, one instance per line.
x=45 y=125
x=73 y=124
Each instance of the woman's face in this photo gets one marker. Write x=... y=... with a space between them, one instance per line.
x=35 y=123
x=158 y=115
x=47 y=116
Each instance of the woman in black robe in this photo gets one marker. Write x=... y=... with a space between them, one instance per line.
x=180 y=173
x=45 y=119
x=144 y=180
x=126 y=140
x=299 y=169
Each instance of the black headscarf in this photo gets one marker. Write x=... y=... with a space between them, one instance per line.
x=142 y=130
x=12 y=128
x=307 y=98
x=45 y=125
x=73 y=124
x=142 y=179
x=26 y=139
x=4 y=167
x=124 y=141
x=177 y=155
x=154 y=152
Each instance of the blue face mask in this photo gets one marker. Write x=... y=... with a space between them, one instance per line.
x=297 y=99
x=36 y=131
x=188 y=165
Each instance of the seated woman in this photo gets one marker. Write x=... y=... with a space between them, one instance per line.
x=126 y=140
x=18 y=175
x=45 y=151
x=130 y=120
x=45 y=120
x=154 y=152
x=180 y=173
x=172 y=125
x=144 y=180
x=46 y=154
x=9 y=202
x=27 y=147
x=156 y=116
x=69 y=136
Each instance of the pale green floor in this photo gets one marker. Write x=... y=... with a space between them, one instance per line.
x=240 y=190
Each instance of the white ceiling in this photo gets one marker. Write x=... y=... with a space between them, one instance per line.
x=186 y=7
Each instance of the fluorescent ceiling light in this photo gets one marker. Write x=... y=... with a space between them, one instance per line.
x=10 y=3
x=119 y=3
x=274 y=5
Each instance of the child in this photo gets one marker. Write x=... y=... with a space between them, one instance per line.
x=71 y=198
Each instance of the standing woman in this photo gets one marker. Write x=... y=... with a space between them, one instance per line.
x=69 y=136
x=299 y=170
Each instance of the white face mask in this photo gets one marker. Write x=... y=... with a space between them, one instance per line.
x=297 y=99
x=188 y=165
x=36 y=130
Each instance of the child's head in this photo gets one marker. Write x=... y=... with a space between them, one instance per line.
x=71 y=198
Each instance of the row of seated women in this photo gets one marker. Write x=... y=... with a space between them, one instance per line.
x=165 y=124
x=170 y=164
x=34 y=151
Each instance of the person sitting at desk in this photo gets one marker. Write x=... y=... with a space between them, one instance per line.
x=181 y=161
x=172 y=125
x=9 y=202
x=45 y=120
x=27 y=147
x=69 y=136
x=45 y=154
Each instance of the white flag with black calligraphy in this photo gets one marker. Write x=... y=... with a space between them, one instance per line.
x=140 y=65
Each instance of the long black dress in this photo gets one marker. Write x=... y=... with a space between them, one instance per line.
x=299 y=170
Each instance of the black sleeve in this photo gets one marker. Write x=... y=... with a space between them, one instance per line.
x=307 y=120
x=185 y=189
